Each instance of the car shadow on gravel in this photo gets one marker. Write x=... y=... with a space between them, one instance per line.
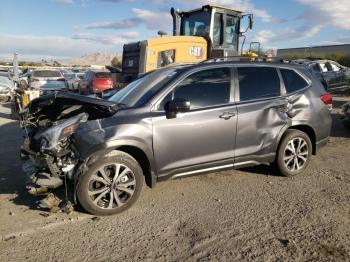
x=264 y=170
x=340 y=129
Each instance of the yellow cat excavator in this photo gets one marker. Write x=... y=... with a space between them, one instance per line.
x=207 y=32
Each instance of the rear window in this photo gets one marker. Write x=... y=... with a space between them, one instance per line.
x=258 y=82
x=103 y=75
x=69 y=76
x=47 y=73
x=292 y=81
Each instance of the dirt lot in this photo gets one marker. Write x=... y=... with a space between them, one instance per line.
x=248 y=214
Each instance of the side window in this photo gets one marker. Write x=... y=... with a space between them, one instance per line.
x=335 y=67
x=166 y=57
x=258 y=82
x=230 y=30
x=292 y=81
x=315 y=67
x=217 y=29
x=323 y=67
x=206 y=88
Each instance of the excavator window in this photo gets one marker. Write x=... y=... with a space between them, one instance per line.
x=217 y=30
x=196 y=24
x=231 y=31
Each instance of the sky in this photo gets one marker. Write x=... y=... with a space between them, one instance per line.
x=60 y=29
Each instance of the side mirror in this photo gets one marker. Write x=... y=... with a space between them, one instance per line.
x=175 y=106
x=251 y=21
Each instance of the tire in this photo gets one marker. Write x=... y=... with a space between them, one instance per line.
x=94 y=193
x=289 y=163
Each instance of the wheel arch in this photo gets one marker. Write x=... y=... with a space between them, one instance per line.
x=137 y=150
x=307 y=129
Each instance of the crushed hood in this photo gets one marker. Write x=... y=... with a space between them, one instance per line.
x=64 y=105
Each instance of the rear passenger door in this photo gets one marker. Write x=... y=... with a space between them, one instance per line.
x=261 y=111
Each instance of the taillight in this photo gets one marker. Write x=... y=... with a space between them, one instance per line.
x=327 y=100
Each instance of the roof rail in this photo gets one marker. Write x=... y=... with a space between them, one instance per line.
x=244 y=58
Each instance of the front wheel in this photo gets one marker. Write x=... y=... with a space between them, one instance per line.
x=111 y=185
x=294 y=153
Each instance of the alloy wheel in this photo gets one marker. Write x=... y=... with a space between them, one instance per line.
x=296 y=154
x=112 y=186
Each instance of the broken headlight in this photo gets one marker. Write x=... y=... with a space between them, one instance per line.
x=56 y=137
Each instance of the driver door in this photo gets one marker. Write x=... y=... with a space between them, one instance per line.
x=203 y=136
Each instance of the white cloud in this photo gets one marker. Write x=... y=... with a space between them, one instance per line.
x=318 y=14
x=64 y=1
x=263 y=36
x=52 y=46
x=140 y=17
x=333 y=13
x=119 y=39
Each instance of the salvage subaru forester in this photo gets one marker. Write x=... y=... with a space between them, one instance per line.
x=174 y=122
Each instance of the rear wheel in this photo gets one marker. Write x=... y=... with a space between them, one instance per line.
x=111 y=185
x=294 y=153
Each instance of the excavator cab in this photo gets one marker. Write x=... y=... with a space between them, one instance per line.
x=219 y=25
x=200 y=34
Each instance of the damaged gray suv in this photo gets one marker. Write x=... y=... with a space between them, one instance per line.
x=175 y=122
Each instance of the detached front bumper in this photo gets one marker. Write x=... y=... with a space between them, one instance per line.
x=38 y=181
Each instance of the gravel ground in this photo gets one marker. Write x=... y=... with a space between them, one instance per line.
x=247 y=214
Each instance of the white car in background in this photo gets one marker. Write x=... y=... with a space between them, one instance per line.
x=73 y=80
x=47 y=81
x=6 y=86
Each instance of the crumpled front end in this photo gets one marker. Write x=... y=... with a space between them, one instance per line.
x=50 y=122
x=49 y=157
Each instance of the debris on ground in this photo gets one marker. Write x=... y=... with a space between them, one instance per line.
x=51 y=202
x=96 y=219
x=68 y=208
x=284 y=242
x=37 y=191
x=44 y=214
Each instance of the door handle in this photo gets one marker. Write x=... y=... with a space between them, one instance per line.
x=227 y=115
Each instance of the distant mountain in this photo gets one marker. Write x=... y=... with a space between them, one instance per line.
x=92 y=59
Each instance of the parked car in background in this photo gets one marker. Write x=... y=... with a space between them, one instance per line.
x=73 y=80
x=6 y=85
x=176 y=122
x=47 y=81
x=95 y=82
x=335 y=77
x=4 y=72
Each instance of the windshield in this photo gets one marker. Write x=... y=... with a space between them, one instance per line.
x=140 y=91
x=196 y=24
